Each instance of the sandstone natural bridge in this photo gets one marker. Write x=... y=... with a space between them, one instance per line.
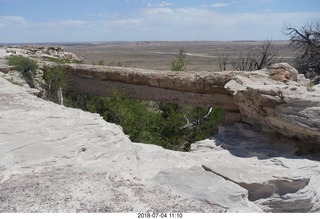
x=194 y=88
x=275 y=99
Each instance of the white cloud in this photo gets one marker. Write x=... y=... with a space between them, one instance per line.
x=63 y=23
x=164 y=4
x=161 y=4
x=13 y=21
x=219 y=5
x=157 y=11
x=205 y=24
x=155 y=23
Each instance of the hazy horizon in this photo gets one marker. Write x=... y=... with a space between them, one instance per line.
x=138 y=41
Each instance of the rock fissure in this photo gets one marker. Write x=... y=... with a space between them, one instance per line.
x=273 y=189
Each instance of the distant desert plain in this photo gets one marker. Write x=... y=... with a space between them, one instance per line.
x=158 y=55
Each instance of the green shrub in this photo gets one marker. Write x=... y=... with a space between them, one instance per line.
x=162 y=124
x=178 y=134
x=310 y=87
x=25 y=65
x=54 y=78
x=181 y=61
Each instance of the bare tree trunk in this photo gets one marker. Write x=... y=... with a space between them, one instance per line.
x=307 y=42
x=60 y=96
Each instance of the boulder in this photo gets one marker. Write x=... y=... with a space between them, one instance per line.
x=267 y=166
x=4 y=68
x=287 y=108
x=39 y=52
x=283 y=72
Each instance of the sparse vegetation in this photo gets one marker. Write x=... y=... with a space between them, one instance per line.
x=255 y=59
x=310 y=87
x=63 y=60
x=158 y=55
x=306 y=42
x=223 y=62
x=181 y=61
x=26 y=66
x=114 y=63
x=99 y=62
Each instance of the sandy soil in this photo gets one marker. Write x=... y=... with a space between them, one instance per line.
x=158 y=55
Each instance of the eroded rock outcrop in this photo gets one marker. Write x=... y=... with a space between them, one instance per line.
x=287 y=108
x=57 y=159
x=44 y=56
x=40 y=53
x=275 y=99
x=194 y=88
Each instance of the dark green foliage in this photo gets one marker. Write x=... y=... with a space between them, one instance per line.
x=181 y=61
x=26 y=66
x=178 y=135
x=160 y=124
x=54 y=78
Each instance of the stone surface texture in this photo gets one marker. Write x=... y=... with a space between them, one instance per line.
x=287 y=108
x=58 y=159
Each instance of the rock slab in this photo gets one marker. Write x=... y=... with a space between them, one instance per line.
x=56 y=159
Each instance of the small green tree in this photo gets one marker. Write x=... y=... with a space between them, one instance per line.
x=54 y=78
x=26 y=66
x=181 y=61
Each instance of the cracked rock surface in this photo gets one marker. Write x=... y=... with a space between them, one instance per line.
x=57 y=159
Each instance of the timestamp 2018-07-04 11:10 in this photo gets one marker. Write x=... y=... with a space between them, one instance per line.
x=160 y=215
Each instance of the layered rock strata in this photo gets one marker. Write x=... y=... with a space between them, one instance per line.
x=275 y=99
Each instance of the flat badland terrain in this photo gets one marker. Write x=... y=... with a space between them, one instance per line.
x=158 y=55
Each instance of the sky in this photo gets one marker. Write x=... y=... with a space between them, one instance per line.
x=40 y=21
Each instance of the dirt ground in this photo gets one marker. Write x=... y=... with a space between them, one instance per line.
x=203 y=55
